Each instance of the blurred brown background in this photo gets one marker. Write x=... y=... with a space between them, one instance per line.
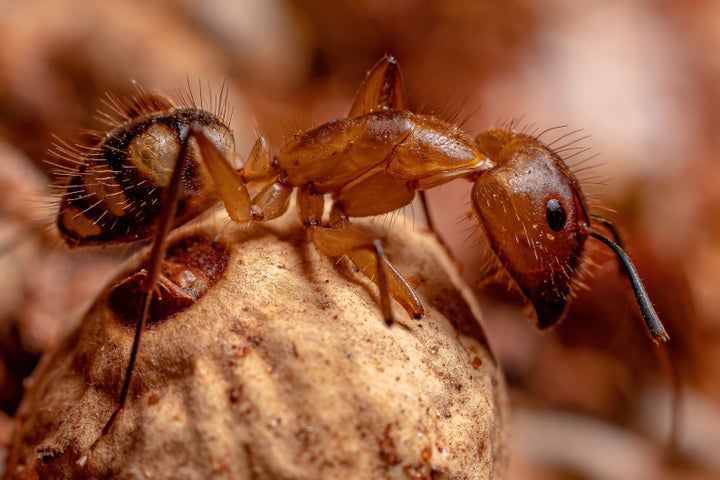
x=589 y=399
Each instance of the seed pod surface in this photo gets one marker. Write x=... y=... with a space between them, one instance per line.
x=283 y=368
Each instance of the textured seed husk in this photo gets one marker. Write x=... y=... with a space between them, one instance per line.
x=284 y=369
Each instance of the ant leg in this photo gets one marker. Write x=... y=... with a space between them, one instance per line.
x=229 y=183
x=382 y=89
x=157 y=255
x=424 y=204
x=381 y=278
x=426 y=210
x=310 y=206
x=271 y=202
x=341 y=238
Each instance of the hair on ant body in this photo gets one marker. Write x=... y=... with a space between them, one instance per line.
x=161 y=166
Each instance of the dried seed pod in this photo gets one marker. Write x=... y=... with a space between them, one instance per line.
x=280 y=370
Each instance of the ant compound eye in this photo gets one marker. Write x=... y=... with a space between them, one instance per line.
x=555 y=214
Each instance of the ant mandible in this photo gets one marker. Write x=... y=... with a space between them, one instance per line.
x=162 y=165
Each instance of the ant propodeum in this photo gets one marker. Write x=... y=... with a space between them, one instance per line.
x=162 y=165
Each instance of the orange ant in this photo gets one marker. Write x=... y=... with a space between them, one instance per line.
x=163 y=165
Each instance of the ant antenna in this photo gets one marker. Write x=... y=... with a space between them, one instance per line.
x=654 y=325
x=610 y=226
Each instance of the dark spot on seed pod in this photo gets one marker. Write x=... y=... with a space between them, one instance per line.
x=192 y=265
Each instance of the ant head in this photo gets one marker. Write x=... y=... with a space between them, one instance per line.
x=533 y=213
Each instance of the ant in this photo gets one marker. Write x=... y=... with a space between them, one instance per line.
x=163 y=165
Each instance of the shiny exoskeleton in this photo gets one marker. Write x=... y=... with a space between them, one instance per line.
x=164 y=165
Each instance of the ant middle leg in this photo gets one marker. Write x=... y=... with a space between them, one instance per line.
x=340 y=238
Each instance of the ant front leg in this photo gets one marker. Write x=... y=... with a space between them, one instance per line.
x=270 y=202
x=229 y=184
x=342 y=238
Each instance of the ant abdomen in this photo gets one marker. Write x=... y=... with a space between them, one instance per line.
x=115 y=192
x=534 y=215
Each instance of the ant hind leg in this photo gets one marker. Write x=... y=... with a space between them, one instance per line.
x=426 y=211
